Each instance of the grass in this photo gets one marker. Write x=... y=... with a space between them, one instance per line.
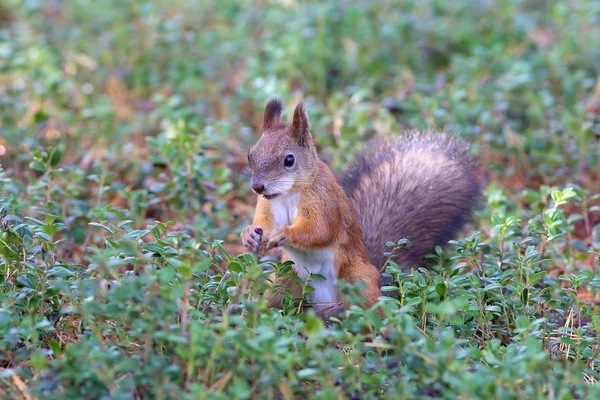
x=124 y=127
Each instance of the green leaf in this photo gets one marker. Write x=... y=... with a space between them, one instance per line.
x=492 y=286
x=536 y=277
x=25 y=281
x=42 y=236
x=35 y=221
x=234 y=266
x=203 y=265
x=23 y=231
x=307 y=372
x=567 y=340
x=55 y=156
x=49 y=218
x=154 y=248
x=125 y=222
x=313 y=325
x=441 y=289
x=525 y=296
x=99 y=225
x=38 y=166
x=60 y=272
x=413 y=301
x=55 y=347
x=496 y=309
x=185 y=269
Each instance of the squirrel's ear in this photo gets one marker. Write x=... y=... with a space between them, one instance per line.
x=272 y=115
x=300 y=129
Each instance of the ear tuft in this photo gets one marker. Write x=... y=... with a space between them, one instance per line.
x=272 y=116
x=300 y=129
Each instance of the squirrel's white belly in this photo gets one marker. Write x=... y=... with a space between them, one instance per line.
x=319 y=262
x=307 y=262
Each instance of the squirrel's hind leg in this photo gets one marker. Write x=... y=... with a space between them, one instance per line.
x=372 y=279
x=277 y=293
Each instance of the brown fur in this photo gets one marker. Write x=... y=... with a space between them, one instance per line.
x=321 y=223
x=422 y=187
x=325 y=217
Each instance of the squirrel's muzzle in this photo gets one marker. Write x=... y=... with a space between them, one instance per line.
x=258 y=188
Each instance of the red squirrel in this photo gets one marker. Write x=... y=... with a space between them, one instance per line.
x=421 y=187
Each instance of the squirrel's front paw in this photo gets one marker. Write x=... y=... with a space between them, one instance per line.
x=251 y=237
x=277 y=238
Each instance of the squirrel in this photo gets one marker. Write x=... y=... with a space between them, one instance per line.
x=422 y=187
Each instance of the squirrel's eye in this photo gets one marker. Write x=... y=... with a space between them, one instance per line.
x=288 y=161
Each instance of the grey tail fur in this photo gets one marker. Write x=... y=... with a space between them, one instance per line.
x=422 y=187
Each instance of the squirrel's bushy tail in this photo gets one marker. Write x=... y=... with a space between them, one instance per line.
x=422 y=187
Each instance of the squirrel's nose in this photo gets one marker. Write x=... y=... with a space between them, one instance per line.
x=258 y=187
